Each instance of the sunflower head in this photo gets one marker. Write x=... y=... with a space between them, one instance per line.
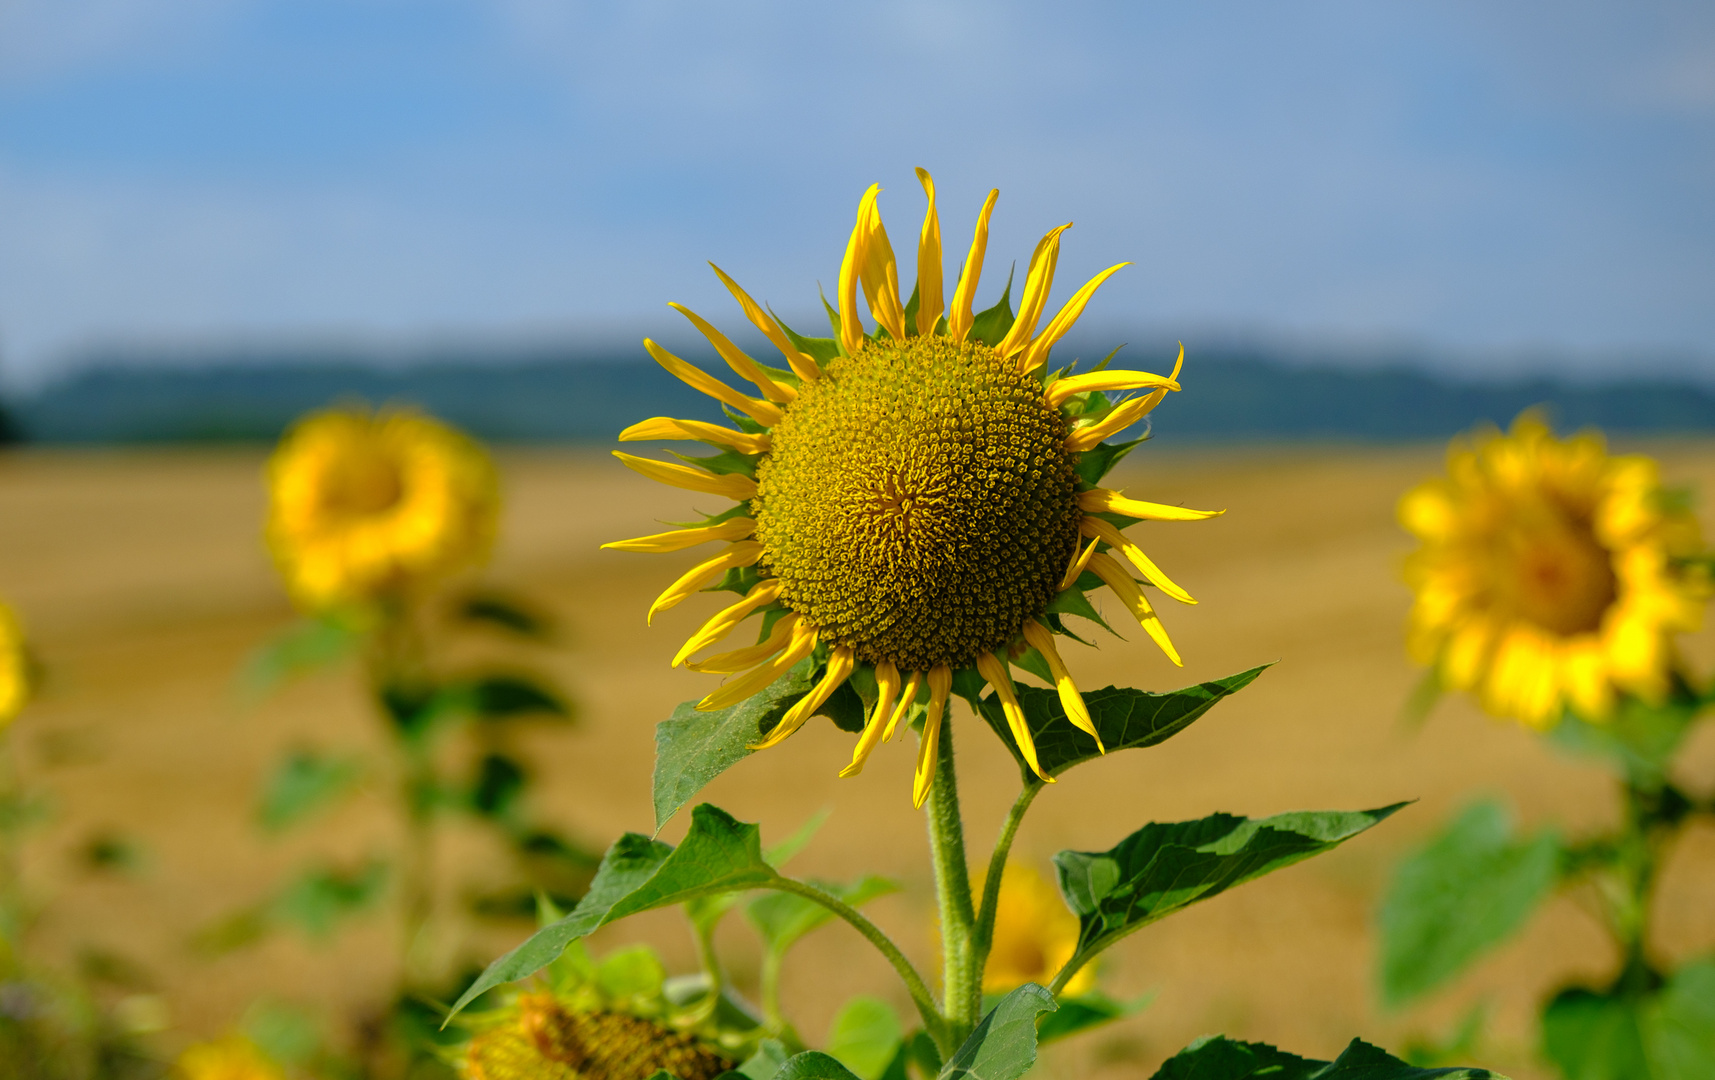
x=14 y=667
x=366 y=504
x=1034 y=935
x=913 y=501
x=541 y=1036
x=1551 y=575
x=231 y=1058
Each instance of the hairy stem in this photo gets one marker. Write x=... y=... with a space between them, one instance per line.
x=997 y=866
x=961 y=976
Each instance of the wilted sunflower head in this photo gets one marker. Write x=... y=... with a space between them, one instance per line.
x=1034 y=935
x=1551 y=574
x=543 y=1037
x=914 y=501
x=363 y=504
x=14 y=667
x=231 y=1058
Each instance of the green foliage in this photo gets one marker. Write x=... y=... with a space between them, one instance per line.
x=1090 y=1010
x=1162 y=868
x=507 y=697
x=302 y=784
x=1664 y=1035
x=1095 y=463
x=866 y=1037
x=1127 y=719
x=692 y=748
x=1639 y=740
x=314 y=903
x=632 y=974
x=1468 y=890
x=813 y=1065
x=766 y=1063
x=1003 y=1046
x=307 y=645
x=506 y=613
x=1219 y=1058
x=783 y=918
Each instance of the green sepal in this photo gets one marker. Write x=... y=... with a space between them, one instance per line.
x=911 y=307
x=728 y=462
x=736 y=510
x=303 y=784
x=1126 y=718
x=1072 y=601
x=1096 y=462
x=739 y=579
x=990 y=326
x=1466 y=891
x=819 y=349
x=1003 y=1046
x=1034 y=662
x=833 y=320
x=692 y=747
x=743 y=421
x=1217 y=1057
x=719 y=854
x=1163 y=868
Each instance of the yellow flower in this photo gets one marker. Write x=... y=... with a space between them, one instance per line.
x=541 y=1038
x=366 y=504
x=1034 y=935
x=910 y=503
x=14 y=667
x=1549 y=574
x=232 y=1058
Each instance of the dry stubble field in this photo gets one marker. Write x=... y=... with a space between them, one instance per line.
x=144 y=586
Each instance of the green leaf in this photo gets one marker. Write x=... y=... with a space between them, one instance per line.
x=1682 y=1029
x=1080 y=1014
x=813 y=1065
x=311 y=643
x=765 y=1064
x=1465 y=892
x=692 y=748
x=321 y=897
x=1003 y=1046
x=990 y=326
x=507 y=697
x=782 y=918
x=1595 y=1037
x=780 y=854
x=498 y=785
x=1128 y=719
x=1073 y=601
x=1219 y=1058
x=866 y=1037
x=1162 y=868
x=633 y=973
x=1639 y=740
x=503 y=613
x=302 y=784
x=845 y=708
x=720 y=854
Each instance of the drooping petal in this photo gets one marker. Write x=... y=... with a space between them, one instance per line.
x=991 y=668
x=1037 y=283
x=1037 y=351
x=803 y=643
x=960 y=317
x=929 y=298
x=1116 y=578
x=735 y=486
x=1063 y=389
x=929 y=746
x=743 y=553
x=802 y=366
x=763 y=412
x=680 y=539
x=727 y=619
x=1094 y=526
x=1042 y=640
x=1103 y=501
x=736 y=358
x=730 y=663
x=1154 y=398
x=665 y=427
x=840 y=664
x=907 y=698
x=851 y=270
x=887 y=690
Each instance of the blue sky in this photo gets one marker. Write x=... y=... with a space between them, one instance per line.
x=1496 y=185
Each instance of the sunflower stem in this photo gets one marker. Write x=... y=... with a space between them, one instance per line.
x=961 y=982
x=997 y=866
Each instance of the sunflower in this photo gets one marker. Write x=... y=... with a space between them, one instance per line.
x=541 y=1037
x=1034 y=935
x=367 y=504
x=1551 y=575
x=14 y=667
x=913 y=502
x=232 y=1058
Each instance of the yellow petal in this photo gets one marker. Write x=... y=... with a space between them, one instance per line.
x=736 y=358
x=990 y=668
x=801 y=365
x=1042 y=640
x=735 y=486
x=665 y=427
x=929 y=745
x=743 y=553
x=763 y=412
x=960 y=318
x=1080 y=561
x=680 y=539
x=1062 y=389
x=1154 y=399
x=1117 y=419
x=840 y=663
x=1037 y=283
x=1038 y=350
x=729 y=663
x=1103 y=501
x=803 y=643
x=887 y=690
x=881 y=277
x=851 y=270
x=928 y=262
x=907 y=699
x=727 y=619
x=1093 y=526
x=1116 y=578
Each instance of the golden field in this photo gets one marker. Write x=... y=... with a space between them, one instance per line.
x=144 y=586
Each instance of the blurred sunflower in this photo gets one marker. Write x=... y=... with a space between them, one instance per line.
x=14 y=667
x=1551 y=575
x=912 y=501
x=1034 y=935
x=232 y=1058
x=367 y=504
x=540 y=1037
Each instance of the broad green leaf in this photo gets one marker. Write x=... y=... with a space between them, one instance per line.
x=304 y=783
x=1682 y=1029
x=1080 y=1014
x=498 y=784
x=1162 y=868
x=813 y=1065
x=508 y=697
x=866 y=1037
x=1219 y=1058
x=780 y=854
x=1128 y=719
x=719 y=854
x=765 y=1064
x=1468 y=890
x=631 y=973
x=1595 y=1037
x=1639 y=740
x=321 y=897
x=301 y=648
x=1003 y=1046
x=782 y=918
x=504 y=613
x=692 y=748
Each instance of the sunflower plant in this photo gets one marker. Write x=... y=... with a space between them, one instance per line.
x=918 y=513
x=1551 y=582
